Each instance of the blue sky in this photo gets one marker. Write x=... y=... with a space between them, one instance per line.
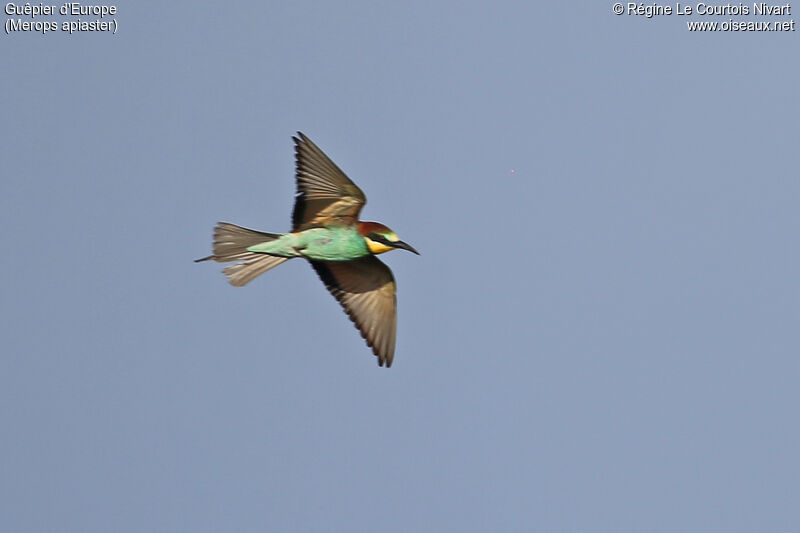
x=604 y=339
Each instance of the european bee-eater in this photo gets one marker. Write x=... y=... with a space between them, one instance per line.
x=325 y=231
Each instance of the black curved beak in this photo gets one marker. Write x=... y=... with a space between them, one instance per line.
x=404 y=246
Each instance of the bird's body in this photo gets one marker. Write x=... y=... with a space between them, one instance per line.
x=336 y=243
x=326 y=231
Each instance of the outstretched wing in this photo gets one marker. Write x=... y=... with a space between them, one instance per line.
x=367 y=291
x=325 y=195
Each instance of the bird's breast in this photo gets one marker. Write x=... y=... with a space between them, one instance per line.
x=332 y=244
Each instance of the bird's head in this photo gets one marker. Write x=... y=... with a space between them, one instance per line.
x=381 y=239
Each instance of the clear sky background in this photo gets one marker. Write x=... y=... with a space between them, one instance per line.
x=601 y=333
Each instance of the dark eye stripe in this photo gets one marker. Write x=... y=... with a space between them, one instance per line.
x=380 y=238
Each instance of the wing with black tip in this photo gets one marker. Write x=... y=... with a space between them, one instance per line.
x=367 y=291
x=325 y=195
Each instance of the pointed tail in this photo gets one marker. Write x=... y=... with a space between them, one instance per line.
x=231 y=243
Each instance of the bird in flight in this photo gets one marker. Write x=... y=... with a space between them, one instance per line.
x=341 y=249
